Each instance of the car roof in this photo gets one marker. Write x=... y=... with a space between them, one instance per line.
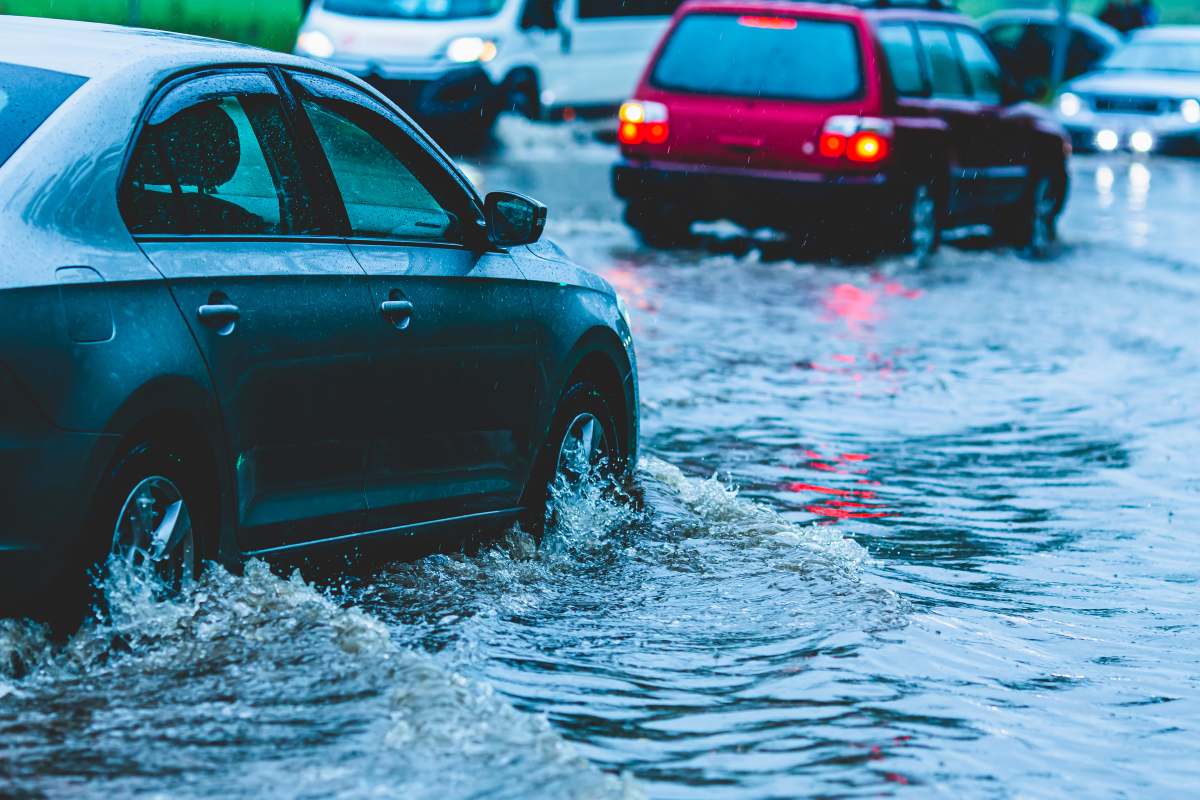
x=1167 y=33
x=847 y=10
x=92 y=49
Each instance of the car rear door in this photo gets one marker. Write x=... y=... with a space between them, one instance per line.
x=982 y=172
x=455 y=322
x=217 y=198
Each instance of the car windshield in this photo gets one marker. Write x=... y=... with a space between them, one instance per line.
x=1159 y=56
x=751 y=56
x=415 y=9
x=27 y=97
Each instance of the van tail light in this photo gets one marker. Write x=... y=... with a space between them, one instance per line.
x=642 y=121
x=864 y=139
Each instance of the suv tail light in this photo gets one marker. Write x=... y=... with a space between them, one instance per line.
x=642 y=121
x=857 y=138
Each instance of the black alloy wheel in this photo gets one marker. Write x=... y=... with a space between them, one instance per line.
x=582 y=444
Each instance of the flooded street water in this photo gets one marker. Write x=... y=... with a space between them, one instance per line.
x=897 y=531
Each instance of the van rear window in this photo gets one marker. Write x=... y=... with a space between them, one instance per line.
x=27 y=96
x=751 y=56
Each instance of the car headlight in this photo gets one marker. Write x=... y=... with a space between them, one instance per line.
x=314 y=43
x=1069 y=104
x=1190 y=110
x=466 y=49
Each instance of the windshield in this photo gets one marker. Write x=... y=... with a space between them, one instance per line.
x=27 y=96
x=774 y=57
x=1165 y=56
x=415 y=9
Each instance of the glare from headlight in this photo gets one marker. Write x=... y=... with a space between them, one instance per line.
x=1141 y=141
x=1107 y=140
x=314 y=43
x=1190 y=110
x=471 y=48
x=1069 y=104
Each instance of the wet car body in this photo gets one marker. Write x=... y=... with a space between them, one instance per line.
x=1156 y=100
x=758 y=160
x=325 y=388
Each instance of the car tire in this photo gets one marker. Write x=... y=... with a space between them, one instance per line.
x=1031 y=226
x=660 y=226
x=583 y=427
x=150 y=504
x=917 y=235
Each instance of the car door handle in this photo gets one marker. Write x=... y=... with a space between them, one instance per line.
x=219 y=312
x=396 y=309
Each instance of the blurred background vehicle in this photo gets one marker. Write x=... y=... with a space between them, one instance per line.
x=1025 y=39
x=1145 y=97
x=455 y=64
x=768 y=115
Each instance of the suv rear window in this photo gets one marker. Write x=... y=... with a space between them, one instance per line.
x=27 y=96
x=773 y=57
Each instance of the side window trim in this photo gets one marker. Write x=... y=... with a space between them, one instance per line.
x=233 y=74
x=354 y=94
x=919 y=52
x=964 y=78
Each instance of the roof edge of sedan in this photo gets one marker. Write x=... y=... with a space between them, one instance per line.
x=93 y=49
x=825 y=10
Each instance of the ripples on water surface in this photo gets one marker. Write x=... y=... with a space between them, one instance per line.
x=959 y=559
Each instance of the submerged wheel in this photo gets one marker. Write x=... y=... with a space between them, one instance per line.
x=918 y=234
x=661 y=226
x=148 y=507
x=582 y=443
x=154 y=525
x=1032 y=225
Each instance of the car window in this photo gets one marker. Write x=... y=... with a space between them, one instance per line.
x=27 y=97
x=750 y=56
x=391 y=187
x=414 y=9
x=901 y=52
x=599 y=9
x=944 y=72
x=1009 y=35
x=216 y=157
x=982 y=68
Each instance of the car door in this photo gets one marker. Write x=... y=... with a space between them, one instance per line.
x=281 y=312
x=602 y=49
x=1001 y=131
x=979 y=158
x=454 y=318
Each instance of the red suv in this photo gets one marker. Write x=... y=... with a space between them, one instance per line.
x=880 y=127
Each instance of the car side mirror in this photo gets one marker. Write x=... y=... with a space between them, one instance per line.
x=513 y=219
x=539 y=14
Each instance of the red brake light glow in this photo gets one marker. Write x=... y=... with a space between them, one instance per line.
x=866 y=147
x=771 y=23
x=862 y=139
x=642 y=121
x=832 y=144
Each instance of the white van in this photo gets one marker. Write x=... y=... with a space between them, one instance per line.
x=454 y=64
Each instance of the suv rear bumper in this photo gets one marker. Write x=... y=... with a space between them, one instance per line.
x=750 y=197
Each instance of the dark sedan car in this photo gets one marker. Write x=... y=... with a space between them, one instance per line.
x=248 y=309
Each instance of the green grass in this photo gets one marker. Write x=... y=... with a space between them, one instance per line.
x=1171 y=12
x=273 y=23
x=266 y=23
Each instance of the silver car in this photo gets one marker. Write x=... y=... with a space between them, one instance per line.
x=1145 y=97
